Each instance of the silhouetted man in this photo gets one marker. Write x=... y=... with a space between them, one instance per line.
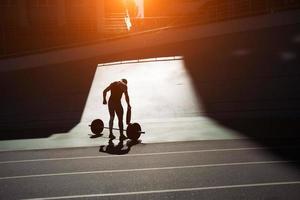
x=116 y=89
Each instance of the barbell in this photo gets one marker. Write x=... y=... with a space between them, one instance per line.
x=133 y=130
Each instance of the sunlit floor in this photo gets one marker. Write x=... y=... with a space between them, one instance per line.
x=162 y=98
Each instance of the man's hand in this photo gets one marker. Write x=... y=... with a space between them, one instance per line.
x=128 y=114
x=104 y=102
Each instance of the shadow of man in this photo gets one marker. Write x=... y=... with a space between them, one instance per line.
x=118 y=149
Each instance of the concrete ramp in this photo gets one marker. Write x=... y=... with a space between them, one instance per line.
x=163 y=101
x=162 y=97
x=158 y=89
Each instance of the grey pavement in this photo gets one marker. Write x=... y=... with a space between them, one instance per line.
x=220 y=169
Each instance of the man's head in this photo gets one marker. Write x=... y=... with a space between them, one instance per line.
x=124 y=80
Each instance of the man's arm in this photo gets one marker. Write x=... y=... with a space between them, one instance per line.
x=104 y=94
x=127 y=99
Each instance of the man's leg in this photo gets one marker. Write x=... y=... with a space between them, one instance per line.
x=119 y=111
x=111 y=120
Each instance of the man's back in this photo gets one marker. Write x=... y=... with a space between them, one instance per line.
x=117 y=89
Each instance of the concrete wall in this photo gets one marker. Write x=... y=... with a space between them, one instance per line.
x=119 y=46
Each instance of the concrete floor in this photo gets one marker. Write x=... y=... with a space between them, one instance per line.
x=163 y=101
x=219 y=169
x=179 y=129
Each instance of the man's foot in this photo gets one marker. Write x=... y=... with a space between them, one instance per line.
x=111 y=136
x=122 y=137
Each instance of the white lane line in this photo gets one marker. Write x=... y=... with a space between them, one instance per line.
x=145 y=169
x=170 y=190
x=134 y=155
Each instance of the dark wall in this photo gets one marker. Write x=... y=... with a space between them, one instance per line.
x=248 y=74
x=41 y=101
x=250 y=82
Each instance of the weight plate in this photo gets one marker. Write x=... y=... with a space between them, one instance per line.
x=97 y=126
x=133 y=131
